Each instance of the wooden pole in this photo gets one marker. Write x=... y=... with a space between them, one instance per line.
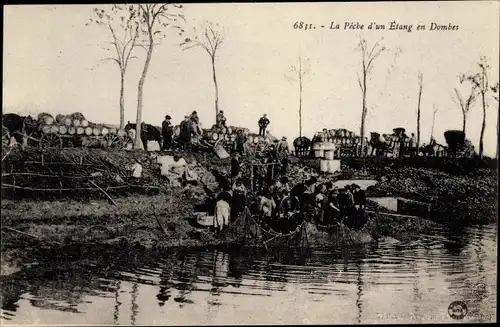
x=164 y=231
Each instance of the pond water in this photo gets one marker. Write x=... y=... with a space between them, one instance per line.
x=388 y=282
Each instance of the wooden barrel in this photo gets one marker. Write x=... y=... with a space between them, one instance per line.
x=96 y=131
x=46 y=129
x=76 y=122
x=71 y=130
x=60 y=118
x=88 y=131
x=48 y=120
x=63 y=129
x=67 y=121
x=54 y=129
x=85 y=123
x=80 y=130
x=104 y=131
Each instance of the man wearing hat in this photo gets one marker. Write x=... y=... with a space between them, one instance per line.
x=194 y=117
x=221 y=120
x=185 y=134
x=167 y=132
x=263 y=123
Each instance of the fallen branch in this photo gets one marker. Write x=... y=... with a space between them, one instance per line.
x=105 y=193
x=22 y=233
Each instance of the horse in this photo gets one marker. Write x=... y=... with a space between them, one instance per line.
x=433 y=150
x=19 y=126
x=378 y=143
x=301 y=145
x=148 y=133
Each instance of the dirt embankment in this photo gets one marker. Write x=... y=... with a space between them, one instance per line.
x=463 y=192
x=78 y=218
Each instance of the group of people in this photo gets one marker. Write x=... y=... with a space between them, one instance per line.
x=190 y=131
x=283 y=208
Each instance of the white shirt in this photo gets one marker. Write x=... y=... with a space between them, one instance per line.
x=168 y=164
x=136 y=170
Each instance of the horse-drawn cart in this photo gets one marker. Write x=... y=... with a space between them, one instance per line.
x=47 y=132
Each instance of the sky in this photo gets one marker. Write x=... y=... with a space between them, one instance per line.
x=53 y=63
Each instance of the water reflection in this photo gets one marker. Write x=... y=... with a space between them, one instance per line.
x=384 y=282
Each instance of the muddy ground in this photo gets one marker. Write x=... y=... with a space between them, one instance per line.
x=462 y=192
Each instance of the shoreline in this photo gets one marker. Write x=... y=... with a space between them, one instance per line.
x=461 y=194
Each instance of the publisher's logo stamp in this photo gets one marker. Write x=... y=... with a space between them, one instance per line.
x=457 y=310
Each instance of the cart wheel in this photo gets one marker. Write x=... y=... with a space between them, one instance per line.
x=114 y=141
x=221 y=142
x=51 y=140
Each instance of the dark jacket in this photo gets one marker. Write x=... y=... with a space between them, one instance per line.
x=360 y=197
x=166 y=128
x=185 y=132
x=263 y=122
x=235 y=167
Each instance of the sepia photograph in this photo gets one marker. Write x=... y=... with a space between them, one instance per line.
x=250 y=163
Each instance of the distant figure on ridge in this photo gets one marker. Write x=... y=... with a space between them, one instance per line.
x=263 y=123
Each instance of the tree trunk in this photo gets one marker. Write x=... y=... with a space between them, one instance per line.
x=498 y=134
x=464 y=123
x=138 y=142
x=122 y=99
x=216 y=89
x=363 y=114
x=432 y=128
x=300 y=104
x=418 y=113
x=483 y=127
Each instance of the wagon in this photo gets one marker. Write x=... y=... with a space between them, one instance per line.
x=47 y=132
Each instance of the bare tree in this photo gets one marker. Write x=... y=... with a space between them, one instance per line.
x=152 y=19
x=298 y=71
x=367 y=58
x=480 y=81
x=495 y=90
x=124 y=29
x=420 y=85
x=433 y=121
x=212 y=37
x=465 y=104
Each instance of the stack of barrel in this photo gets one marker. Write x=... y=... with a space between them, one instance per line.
x=324 y=154
x=74 y=124
x=228 y=134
